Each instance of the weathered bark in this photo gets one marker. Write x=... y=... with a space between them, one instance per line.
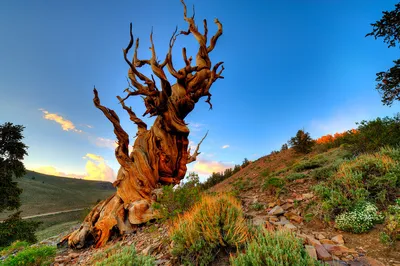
x=159 y=154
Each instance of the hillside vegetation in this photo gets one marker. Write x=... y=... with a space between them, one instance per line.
x=45 y=193
x=336 y=201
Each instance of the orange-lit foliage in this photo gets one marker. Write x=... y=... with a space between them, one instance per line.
x=329 y=138
x=214 y=223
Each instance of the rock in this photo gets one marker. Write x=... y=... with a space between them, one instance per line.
x=336 y=249
x=283 y=220
x=320 y=236
x=149 y=249
x=273 y=219
x=73 y=255
x=338 y=239
x=307 y=196
x=290 y=227
x=370 y=261
x=322 y=253
x=311 y=251
x=287 y=206
x=258 y=221
x=336 y=263
x=327 y=241
x=293 y=217
x=277 y=210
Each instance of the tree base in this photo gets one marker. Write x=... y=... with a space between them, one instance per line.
x=109 y=217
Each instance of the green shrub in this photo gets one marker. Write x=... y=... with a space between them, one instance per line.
x=13 y=248
x=295 y=176
x=257 y=206
x=117 y=256
x=274 y=249
x=14 y=228
x=308 y=217
x=241 y=185
x=361 y=219
x=308 y=164
x=273 y=184
x=32 y=256
x=374 y=134
x=368 y=177
x=392 y=224
x=174 y=201
x=214 y=223
x=265 y=173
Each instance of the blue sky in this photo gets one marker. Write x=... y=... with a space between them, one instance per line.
x=288 y=65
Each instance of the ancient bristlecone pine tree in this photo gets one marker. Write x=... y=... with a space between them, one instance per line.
x=160 y=154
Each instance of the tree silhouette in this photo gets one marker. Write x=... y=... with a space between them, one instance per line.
x=388 y=28
x=302 y=142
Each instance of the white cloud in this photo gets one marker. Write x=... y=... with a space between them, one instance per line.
x=225 y=147
x=105 y=143
x=66 y=125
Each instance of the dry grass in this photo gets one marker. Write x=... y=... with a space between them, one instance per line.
x=214 y=223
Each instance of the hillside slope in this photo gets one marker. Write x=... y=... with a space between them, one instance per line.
x=296 y=195
x=45 y=193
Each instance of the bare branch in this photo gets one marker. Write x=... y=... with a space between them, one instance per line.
x=205 y=30
x=142 y=127
x=193 y=157
x=192 y=26
x=121 y=152
x=137 y=62
x=215 y=37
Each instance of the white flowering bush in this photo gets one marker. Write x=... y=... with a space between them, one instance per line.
x=360 y=220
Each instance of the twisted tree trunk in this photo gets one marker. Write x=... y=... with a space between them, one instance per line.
x=159 y=154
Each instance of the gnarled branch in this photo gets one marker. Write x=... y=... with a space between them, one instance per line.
x=121 y=152
x=193 y=157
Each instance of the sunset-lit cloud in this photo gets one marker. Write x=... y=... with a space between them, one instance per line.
x=51 y=170
x=96 y=169
x=93 y=157
x=66 y=124
x=99 y=170
x=225 y=147
x=208 y=167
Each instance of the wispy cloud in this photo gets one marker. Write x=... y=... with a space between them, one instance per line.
x=225 y=147
x=195 y=127
x=66 y=124
x=103 y=142
x=206 y=167
x=88 y=126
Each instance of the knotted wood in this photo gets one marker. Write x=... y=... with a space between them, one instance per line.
x=160 y=154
